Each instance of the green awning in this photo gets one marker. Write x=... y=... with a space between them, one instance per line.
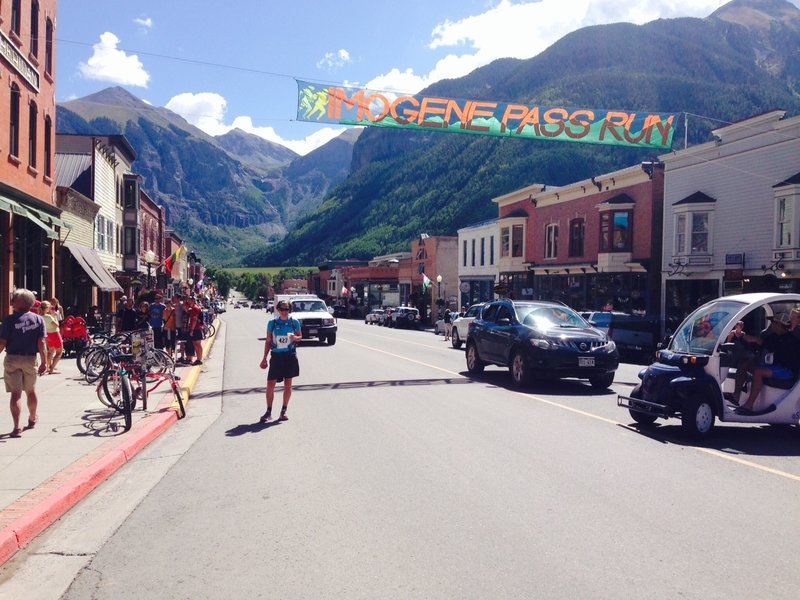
x=40 y=218
x=12 y=206
x=49 y=231
x=50 y=219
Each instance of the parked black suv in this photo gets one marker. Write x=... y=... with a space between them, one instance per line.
x=540 y=340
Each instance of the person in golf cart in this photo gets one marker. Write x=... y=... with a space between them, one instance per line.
x=780 y=359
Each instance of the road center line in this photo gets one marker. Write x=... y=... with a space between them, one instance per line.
x=709 y=451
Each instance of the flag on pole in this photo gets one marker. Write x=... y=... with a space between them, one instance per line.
x=176 y=256
x=426 y=283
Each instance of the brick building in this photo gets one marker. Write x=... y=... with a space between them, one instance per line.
x=29 y=218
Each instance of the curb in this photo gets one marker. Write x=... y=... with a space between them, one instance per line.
x=34 y=512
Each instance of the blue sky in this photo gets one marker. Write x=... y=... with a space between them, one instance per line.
x=233 y=64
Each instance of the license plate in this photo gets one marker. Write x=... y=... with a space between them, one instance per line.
x=586 y=361
x=314 y=332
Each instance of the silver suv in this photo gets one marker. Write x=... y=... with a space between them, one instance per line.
x=405 y=317
x=461 y=324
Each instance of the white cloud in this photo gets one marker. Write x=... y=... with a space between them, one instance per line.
x=333 y=60
x=145 y=22
x=108 y=63
x=524 y=29
x=206 y=111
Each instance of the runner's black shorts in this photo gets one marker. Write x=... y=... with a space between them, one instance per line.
x=283 y=365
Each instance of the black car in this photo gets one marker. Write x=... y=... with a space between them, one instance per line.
x=339 y=311
x=540 y=340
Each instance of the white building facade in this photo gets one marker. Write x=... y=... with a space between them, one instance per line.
x=478 y=262
x=732 y=214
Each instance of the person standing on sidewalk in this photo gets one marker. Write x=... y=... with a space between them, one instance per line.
x=448 y=324
x=170 y=330
x=22 y=337
x=194 y=315
x=283 y=332
x=157 y=309
x=55 y=344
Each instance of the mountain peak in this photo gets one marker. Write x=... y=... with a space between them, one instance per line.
x=116 y=96
x=759 y=14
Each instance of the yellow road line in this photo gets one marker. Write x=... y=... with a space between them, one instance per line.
x=709 y=451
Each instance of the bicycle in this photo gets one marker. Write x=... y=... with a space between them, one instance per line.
x=124 y=371
x=118 y=392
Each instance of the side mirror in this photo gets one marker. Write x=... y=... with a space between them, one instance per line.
x=330 y=309
x=504 y=322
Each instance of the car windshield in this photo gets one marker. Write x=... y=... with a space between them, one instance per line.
x=547 y=317
x=309 y=306
x=700 y=331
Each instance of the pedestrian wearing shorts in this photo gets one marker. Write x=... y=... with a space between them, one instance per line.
x=283 y=333
x=194 y=329
x=54 y=342
x=22 y=337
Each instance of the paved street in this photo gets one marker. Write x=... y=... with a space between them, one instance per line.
x=397 y=476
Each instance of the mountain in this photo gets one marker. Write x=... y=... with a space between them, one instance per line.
x=738 y=62
x=226 y=196
x=255 y=151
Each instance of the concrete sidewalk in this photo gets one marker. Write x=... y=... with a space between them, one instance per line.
x=77 y=443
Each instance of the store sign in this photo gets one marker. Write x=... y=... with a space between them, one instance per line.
x=9 y=51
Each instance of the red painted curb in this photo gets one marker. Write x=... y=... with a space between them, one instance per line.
x=43 y=506
x=78 y=481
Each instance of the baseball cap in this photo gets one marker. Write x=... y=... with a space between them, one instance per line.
x=123 y=298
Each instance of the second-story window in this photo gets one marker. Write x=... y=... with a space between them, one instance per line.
x=464 y=253
x=785 y=221
x=483 y=251
x=692 y=232
x=517 y=235
x=13 y=133
x=577 y=234
x=473 y=252
x=491 y=250
x=48 y=147
x=32 y=132
x=100 y=229
x=615 y=231
x=551 y=241
x=505 y=242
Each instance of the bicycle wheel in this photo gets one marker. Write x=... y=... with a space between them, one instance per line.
x=81 y=359
x=176 y=390
x=96 y=365
x=127 y=398
x=111 y=388
x=210 y=330
x=110 y=391
x=141 y=389
x=159 y=360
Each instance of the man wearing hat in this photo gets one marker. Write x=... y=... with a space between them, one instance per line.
x=780 y=358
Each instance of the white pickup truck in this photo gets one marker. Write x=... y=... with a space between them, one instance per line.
x=314 y=316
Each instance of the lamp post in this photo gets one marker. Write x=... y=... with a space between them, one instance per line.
x=150 y=259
